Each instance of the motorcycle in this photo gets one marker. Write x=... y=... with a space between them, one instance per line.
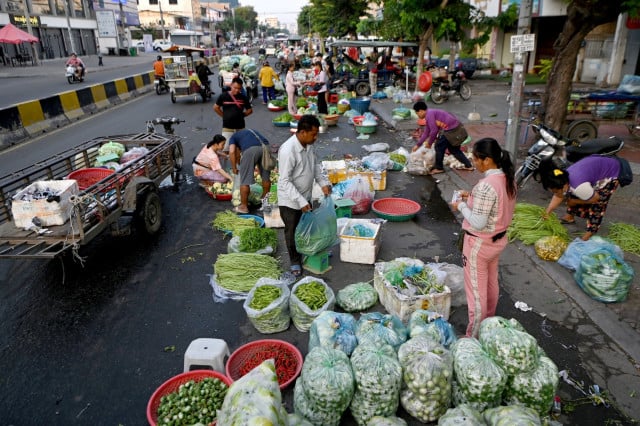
x=443 y=88
x=553 y=147
x=251 y=86
x=161 y=85
x=73 y=74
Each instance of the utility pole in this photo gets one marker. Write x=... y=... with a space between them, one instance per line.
x=161 y=19
x=66 y=12
x=520 y=46
x=34 y=52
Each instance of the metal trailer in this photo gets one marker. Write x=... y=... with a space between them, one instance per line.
x=128 y=196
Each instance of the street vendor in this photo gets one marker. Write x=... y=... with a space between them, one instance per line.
x=206 y=165
x=245 y=152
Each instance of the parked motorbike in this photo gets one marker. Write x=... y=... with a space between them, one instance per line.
x=251 y=86
x=161 y=85
x=73 y=74
x=553 y=147
x=443 y=87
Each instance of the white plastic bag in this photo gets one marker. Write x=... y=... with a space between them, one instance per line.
x=376 y=147
x=421 y=161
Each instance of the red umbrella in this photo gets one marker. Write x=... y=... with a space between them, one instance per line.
x=14 y=35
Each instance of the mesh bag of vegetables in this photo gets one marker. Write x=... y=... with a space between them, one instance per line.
x=235 y=274
x=381 y=329
x=309 y=298
x=550 y=247
x=427 y=372
x=267 y=306
x=254 y=399
x=111 y=147
x=317 y=229
x=462 y=415
x=536 y=389
x=386 y=421
x=479 y=381
x=298 y=420
x=334 y=330
x=604 y=276
x=325 y=386
x=433 y=325
x=513 y=349
x=511 y=415
x=378 y=379
x=357 y=297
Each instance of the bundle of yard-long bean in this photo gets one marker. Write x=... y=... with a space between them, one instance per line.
x=626 y=236
x=229 y=221
x=239 y=272
x=529 y=225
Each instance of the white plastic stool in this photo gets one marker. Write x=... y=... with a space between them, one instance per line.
x=205 y=351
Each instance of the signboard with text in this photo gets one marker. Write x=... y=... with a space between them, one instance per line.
x=106 y=23
x=523 y=43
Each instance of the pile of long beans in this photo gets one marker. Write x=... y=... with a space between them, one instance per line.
x=229 y=221
x=529 y=225
x=239 y=272
x=626 y=236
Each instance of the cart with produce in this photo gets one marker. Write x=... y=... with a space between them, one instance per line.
x=65 y=201
x=180 y=74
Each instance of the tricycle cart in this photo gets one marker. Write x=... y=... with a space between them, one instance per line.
x=586 y=110
x=112 y=200
x=181 y=76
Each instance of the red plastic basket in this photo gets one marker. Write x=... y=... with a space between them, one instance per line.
x=89 y=176
x=288 y=360
x=395 y=209
x=173 y=384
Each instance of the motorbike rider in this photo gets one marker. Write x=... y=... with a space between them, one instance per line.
x=158 y=69
x=77 y=63
x=204 y=72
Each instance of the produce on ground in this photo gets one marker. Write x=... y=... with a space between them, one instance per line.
x=536 y=389
x=286 y=363
x=511 y=415
x=378 y=376
x=550 y=247
x=285 y=117
x=309 y=298
x=254 y=239
x=398 y=158
x=460 y=415
x=334 y=330
x=193 y=402
x=626 y=236
x=604 y=276
x=528 y=224
x=231 y=222
x=325 y=386
x=267 y=306
x=380 y=329
x=427 y=371
x=514 y=350
x=254 y=399
x=432 y=324
x=357 y=297
x=239 y=272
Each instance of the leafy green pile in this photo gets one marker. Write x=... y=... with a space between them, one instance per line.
x=529 y=225
x=285 y=117
x=254 y=239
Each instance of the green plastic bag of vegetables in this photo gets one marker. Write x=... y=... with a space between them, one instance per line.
x=535 y=390
x=462 y=415
x=604 y=276
x=309 y=298
x=335 y=330
x=512 y=348
x=381 y=329
x=378 y=379
x=317 y=229
x=267 y=306
x=479 y=380
x=357 y=297
x=511 y=415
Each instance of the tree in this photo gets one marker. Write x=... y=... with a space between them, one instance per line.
x=305 y=24
x=582 y=17
x=246 y=19
x=369 y=26
x=337 y=18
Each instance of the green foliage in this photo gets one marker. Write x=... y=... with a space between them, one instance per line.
x=305 y=22
x=337 y=18
x=544 y=68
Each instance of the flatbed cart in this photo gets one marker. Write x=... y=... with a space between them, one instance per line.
x=115 y=202
x=181 y=76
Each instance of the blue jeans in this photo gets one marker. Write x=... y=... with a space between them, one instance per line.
x=268 y=93
x=441 y=145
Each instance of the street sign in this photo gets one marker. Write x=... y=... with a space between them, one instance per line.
x=523 y=43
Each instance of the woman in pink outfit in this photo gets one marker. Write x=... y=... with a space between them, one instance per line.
x=487 y=213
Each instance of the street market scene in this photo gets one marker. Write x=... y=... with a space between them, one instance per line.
x=341 y=232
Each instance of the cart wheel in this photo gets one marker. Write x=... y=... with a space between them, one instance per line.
x=362 y=88
x=178 y=159
x=173 y=97
x=582 y=130
x=150 y=213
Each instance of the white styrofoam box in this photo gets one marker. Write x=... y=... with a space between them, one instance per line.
x=49 y=213
x=355 y=249
x=272 y=218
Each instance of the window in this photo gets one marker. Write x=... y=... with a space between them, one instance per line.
x=154 y=2
x=173 y=1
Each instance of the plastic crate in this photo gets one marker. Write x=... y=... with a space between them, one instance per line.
x=403 y=306
x=48 y=213
x=354 y=249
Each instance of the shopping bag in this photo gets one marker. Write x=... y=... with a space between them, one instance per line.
x=317 y=229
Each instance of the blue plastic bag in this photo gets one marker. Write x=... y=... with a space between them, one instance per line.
x=317 y=229
x=604 y=276
x=334 y=330
x=433 y=325
x=380 y=329
x=570 y=259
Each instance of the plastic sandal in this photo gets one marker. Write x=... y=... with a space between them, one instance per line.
x=296 y=270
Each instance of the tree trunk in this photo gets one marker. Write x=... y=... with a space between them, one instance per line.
x=582 y=17
x=422 y=47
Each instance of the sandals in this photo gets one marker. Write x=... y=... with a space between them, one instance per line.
x=436 y=171
x=467 y=169
x=296 y=270
x=239 y=211
x=567 y=221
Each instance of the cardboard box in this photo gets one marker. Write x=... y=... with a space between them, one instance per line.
x=377 y=179
x=49 y=213
x=403 y=306
x=356 y=249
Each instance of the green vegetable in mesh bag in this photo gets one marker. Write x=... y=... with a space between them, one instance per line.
x=267 y=306
x=111 y=148
x=325 y=386
x=297 y=420
x=511 y=415
x=254 y=399
x=357 y=297
x=427 y=372
x=479 y=380
x=604 y=276
x=514 y=350
x=461 y=415
x=536 y=389
x=334 y=330
x=381 y=329
x=433 y=325
x=378 y=378
x=386 y=421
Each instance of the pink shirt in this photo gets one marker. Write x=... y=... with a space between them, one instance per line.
x=490 y=201
x=208 y=158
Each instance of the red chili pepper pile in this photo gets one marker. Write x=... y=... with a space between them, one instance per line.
x=286 y=363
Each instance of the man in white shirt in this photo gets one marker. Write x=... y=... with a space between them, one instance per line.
x=299 y=168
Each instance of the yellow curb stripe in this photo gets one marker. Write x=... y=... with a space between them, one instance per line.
x=30 y=113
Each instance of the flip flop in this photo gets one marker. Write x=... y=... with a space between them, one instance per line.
x=467 y=169
x=566 y=222
x=237 y=210
x=296 y=270
x=436 y=172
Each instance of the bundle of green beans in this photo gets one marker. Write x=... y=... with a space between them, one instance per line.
x=528 y=224
x=626 y=236
x=193 y=402
x=229 y=221
x=309 y=298
x=267 y=306
x=239 y=272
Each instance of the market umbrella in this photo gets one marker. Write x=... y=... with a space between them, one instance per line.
x=14 y=35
